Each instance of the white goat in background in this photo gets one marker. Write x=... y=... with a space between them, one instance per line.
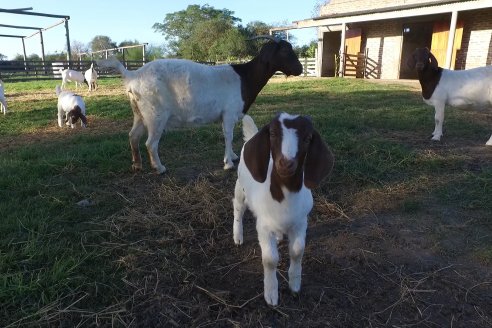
x=69 y=75
x=167 y=93
x=279 y=166
x=91 y=77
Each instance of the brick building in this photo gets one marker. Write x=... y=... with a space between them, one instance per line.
x=383 y=33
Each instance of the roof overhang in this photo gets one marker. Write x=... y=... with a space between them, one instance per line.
x=392 y=13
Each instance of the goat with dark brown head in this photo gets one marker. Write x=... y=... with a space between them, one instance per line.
x=279 y=166
x=457 y=88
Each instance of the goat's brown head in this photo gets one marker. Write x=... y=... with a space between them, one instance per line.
x=74 y=115
x=422 y=59
x=279 y=56
x=297 y=151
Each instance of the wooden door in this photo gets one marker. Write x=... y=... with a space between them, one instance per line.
x=353 y=38
x=440 y=35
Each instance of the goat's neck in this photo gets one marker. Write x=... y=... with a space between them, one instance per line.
x=429 y=79
x=254 y=76
x=292 y=183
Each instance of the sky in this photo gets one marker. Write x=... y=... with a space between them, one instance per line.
x=132 y=20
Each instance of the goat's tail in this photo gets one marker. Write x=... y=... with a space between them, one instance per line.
x=115 y=64
x=249 y=128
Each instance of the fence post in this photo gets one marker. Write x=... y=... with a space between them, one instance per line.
x=305 y=66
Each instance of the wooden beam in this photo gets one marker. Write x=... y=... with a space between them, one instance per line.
x=12 y=36
x=21 y=27
x=31 y=13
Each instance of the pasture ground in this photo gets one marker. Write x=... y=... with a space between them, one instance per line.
x=400 y=235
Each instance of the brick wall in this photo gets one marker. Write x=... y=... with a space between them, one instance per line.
x=344 y=6
x=383 y=42
x=476 y=47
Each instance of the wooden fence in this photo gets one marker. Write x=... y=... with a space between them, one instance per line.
x=32 y=70
x=360 y=66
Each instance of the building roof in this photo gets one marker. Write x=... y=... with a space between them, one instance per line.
x=403 y=11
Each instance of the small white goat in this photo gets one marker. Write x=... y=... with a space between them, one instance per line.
x=69 y=75
x=168 y=93
x=71 y=106
x=441 y=87
x=279 y=166
x=91 y=77
x=3 y=101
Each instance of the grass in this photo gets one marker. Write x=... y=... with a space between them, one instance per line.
x=146 y=245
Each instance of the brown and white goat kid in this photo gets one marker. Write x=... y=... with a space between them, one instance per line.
x=279 y=166
x=440 y=87
x=71 y=106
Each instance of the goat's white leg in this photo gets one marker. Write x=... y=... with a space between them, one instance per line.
x=439 y=120
x=60 y=117
x=489 y=143
x=297 y=241
x=135 y=134
x=269 y=257
x=239 y=207
x=4 y=106
x=155 y=127
x=228 y=123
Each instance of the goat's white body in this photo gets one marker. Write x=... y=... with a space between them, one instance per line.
x=91 y=78
x=170 y=93
x=274 y=219
x=3 y=101
x=69 y=75
x=66 y=102
x=463 y=88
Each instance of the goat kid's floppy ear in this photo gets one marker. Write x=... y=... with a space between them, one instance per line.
x=257 y=154
x=319 y=162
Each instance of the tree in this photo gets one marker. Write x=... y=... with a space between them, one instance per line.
x=2 y=57
x=78 y=47
x=101 y=42
x=183 y=29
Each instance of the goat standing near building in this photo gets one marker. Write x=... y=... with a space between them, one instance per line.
x=441 y=87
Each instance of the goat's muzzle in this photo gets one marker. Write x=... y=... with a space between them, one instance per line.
x=286 y=167
x=419 y=66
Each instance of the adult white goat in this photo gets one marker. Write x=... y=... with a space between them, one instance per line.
x=168 y=93
x=441 y=87
x=91 y=77
x=69 y=75
x=279 y=166
x=71 y=106
x=3 y=101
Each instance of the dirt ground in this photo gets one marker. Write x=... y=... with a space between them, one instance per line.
x=371 y=260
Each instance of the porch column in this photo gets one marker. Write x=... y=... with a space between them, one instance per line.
x=452 y=32
x=342 y=50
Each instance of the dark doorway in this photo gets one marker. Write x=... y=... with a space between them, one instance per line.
x=331 y=48
x=415 y=35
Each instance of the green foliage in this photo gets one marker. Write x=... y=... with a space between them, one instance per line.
x=203 y=33
x=101 y=42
